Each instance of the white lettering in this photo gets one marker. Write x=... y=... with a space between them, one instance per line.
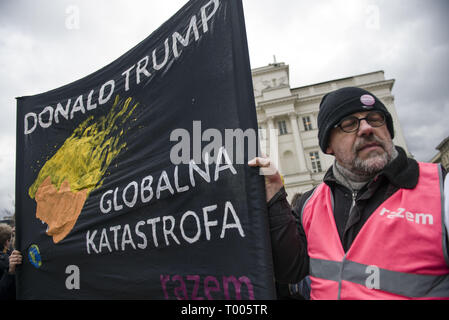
x=131 y=203
x=222 y=153
x=178 y=188
x=142 y=69
x=126 y=237
x=146 y=188
x=90 y=106
x=204 y=174
x=142 y=235
x=126 y=74
x=115 y=229
x=61 y=110
x=153 y=223
x=418 y=218
x=106 y=91
x=409 y=216
x=157 y=66
x=101 y=98
x=117 y=207
x=198 y=232
x=185 y=229
x=90 y=241
x=161 y=187
x=396 y=214
x=205 y=18
x=185 y=41
x=50 y=117
x=383 y=211
x=108 y=202
x=104 y=241
x=78 y=106
x=424 y=218
x=207 y=223
x=117 y=199
x=169 y=231
x=34 y=117
x=236 y=224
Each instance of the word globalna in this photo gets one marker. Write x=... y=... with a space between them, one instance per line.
x=117 y=200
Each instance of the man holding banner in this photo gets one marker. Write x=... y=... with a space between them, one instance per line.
x=375 y=228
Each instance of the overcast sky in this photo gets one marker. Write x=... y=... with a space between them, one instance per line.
x=45 y=44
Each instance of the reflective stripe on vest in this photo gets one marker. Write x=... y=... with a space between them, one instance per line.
x=400 y=251
x=372 y=277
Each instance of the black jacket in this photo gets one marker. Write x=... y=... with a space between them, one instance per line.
x=4 y=263
x=7 y=281
x=289 y=243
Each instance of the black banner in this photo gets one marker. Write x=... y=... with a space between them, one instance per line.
x=132 y=182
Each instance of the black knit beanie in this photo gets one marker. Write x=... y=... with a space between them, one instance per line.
x=343 y=102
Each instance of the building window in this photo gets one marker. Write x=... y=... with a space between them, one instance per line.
x=307 y=123
x=282 y=127
x=315 y=160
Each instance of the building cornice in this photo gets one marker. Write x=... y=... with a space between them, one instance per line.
x=339 y=79
x=318 y=96
x=277 y=101
x=313 y=98
x=390 y=84
x=442 y=143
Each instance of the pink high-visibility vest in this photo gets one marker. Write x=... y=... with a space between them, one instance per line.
x=400 y=252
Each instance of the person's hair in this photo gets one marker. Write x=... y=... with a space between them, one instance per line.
x=295 y=199
x=5 y=234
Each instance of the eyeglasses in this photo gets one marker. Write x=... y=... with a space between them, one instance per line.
x=352 y=123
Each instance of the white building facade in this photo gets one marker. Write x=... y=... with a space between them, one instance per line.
x=290 y=115
x=443 y=154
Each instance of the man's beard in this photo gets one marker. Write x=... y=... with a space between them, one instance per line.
x=375 y=161
x=371 y=165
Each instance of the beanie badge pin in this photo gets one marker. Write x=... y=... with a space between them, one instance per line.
x=368 y=100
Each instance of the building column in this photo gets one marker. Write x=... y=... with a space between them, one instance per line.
x=273 y=139
x=298 y=142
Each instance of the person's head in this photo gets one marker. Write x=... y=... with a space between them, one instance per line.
x=5 y=236
x=295 y=199
x=356 y=128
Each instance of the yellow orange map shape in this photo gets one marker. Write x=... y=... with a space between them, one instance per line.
x=59 y=208
x=77 y=168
